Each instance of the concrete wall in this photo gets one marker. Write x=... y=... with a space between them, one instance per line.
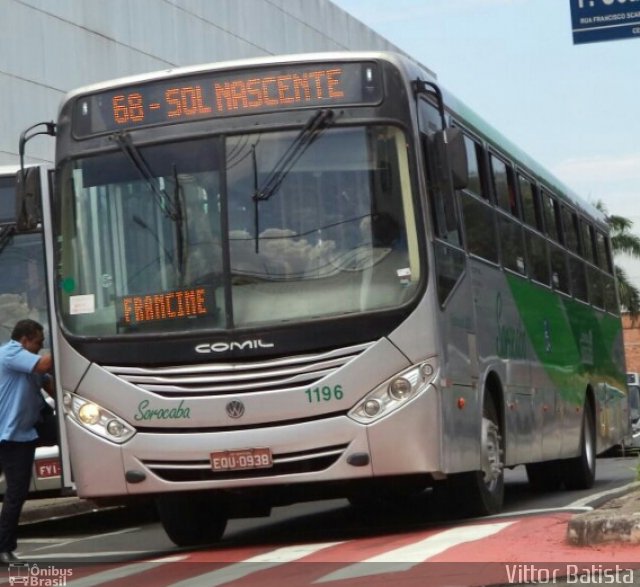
x=48 y=47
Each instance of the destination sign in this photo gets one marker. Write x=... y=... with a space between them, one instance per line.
x=172 y=305
x=218 y=94
x=604 y=20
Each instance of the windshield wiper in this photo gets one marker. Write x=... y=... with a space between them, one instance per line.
x=123 y=140
x=171 y=208
x=305 y=138
x=179 y=218
x=308 y=134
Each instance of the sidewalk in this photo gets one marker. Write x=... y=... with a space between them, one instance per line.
x=615 y=520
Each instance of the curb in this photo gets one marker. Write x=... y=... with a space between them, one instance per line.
x=40 y=510
x=617 y=519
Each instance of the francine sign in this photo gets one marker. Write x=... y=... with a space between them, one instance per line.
x=164 y=306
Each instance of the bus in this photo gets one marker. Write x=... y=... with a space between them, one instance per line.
x=309 y=276
x=633 y=385
x=23 y=295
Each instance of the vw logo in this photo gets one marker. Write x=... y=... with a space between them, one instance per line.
x=235 y=409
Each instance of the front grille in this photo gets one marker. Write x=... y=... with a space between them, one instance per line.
x=211 y=379
x=292 y=463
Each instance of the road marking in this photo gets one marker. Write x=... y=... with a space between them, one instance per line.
x=88 y=537
x=258 y=563
x=406 y=557
x=536 y=511
x=120 y=572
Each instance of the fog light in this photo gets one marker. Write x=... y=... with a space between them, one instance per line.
x=89 y=414
x=399 y=388
x=371 y=407
x=115 y=428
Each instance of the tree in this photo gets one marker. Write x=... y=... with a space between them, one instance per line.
x=623 y=241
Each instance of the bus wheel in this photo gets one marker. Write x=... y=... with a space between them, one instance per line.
x=481 y=493
x=580 y=472
x=191 y=519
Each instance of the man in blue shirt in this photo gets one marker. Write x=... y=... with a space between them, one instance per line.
x=22 y=375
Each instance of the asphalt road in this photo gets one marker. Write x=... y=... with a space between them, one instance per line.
x=127 y=534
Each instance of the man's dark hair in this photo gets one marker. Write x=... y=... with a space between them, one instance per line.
x=27 y=327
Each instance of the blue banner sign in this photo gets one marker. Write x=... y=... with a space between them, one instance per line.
x=604 y=20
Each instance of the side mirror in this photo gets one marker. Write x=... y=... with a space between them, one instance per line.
x=28 y=199
x=452 y=157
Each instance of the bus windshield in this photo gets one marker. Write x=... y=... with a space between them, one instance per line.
x=184 y=235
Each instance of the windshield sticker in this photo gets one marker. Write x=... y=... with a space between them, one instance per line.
x=68 y=284
x=404 y=275
x=85 y=304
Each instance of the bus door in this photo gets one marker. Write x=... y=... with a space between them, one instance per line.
x=453 y=290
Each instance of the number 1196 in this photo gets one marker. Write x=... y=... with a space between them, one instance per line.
x=324 y=393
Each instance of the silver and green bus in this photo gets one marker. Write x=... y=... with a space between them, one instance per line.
x=298 y=277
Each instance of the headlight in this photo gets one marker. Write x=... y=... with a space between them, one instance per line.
x=394 y=393
x=97 y=419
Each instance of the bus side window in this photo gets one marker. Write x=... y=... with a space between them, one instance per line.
x=559 y=270
x=588 y=242
x=474 y=155
x=551 y=217
x=443 y=206
x=531 y=212
x=479 y=219
x=602 y=250
x=502 y=180
x=577 y=269
x=479 y=227
x=538 y=257
x=511 y=244
x=570 y=223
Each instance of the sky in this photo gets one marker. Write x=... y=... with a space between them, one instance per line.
x=573 y=108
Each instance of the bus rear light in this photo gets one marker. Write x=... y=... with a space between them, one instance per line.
x=394 y=393
x=96 y=419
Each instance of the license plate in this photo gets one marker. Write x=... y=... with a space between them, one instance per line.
x=240 y=460
x=46 y=468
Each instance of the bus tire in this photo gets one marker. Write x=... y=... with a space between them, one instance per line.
x=191 y=519
x=481 y=493
x=580 y=472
